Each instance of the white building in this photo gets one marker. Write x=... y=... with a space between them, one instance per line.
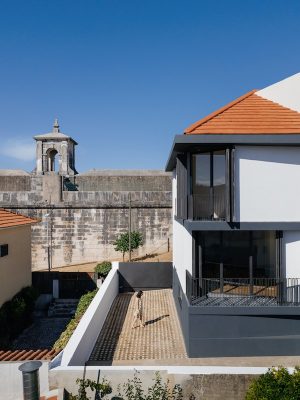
x=236 y=238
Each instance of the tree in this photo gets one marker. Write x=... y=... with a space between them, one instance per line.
x=122 y=242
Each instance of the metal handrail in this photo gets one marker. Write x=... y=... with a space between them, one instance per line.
x=282 y=291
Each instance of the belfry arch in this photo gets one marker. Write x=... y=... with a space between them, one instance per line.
x=52 y=157
x=55 y=153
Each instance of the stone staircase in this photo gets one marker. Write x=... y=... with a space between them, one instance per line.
x=62 y=308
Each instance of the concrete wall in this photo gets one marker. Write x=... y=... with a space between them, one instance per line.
x=204 y=383
x=267 y=184
x=144 y=275
x=82 y=341
x=15 y=268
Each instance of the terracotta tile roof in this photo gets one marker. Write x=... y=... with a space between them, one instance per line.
x=24 y=355
x=249 y=114
x=9 y=219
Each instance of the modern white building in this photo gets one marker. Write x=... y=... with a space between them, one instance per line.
x=236 y=239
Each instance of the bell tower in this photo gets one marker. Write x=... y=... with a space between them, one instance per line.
x=55 y=153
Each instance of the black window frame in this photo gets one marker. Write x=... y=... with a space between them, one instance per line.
x=3 y=250
x=229 y=179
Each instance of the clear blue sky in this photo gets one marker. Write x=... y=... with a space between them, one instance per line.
x=125 y=76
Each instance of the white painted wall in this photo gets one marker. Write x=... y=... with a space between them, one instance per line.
x=267 y=184
x=15 y=268
x=182 y=244
x=291 y=253
x=11 y=381
x=285 y=92
x=82 y=341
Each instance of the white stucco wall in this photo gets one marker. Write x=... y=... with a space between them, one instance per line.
x=182 y=245
x=15 y=268
x=267 y=184
x=11 y=381
x=82 y=342
x=285 y=92
x=291 y=253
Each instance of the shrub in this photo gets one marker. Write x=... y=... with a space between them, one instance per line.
x=122 y=242
x=132 y=390
x=15 y=315
x=276 y=384
x=103 y=268
x=82 y=306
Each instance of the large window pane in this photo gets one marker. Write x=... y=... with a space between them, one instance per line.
x=219 y=184
x=234 y=248
x=202 y=185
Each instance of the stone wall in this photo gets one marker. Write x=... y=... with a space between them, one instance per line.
x=81 y=226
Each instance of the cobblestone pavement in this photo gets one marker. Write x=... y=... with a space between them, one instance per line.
x=42 y=334
x=161 y=339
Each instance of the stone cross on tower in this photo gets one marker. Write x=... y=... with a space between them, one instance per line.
x=55 y=153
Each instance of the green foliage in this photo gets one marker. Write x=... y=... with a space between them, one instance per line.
x=102 y=389
x=122 y=242
x=276 y=384
x=103 y=268
x=15 y=315
x=132 y=390
x=82 y=306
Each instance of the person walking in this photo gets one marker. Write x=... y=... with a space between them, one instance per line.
x=138 y=314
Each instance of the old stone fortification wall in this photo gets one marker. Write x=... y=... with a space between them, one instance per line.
x=82 y=225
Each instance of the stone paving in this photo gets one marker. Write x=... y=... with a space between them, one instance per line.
x=160 y=339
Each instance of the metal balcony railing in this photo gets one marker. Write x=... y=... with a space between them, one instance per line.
x=243 y=291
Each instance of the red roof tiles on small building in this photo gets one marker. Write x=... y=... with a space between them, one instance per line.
x=249 y=114
x=24 y=355
x=9 y=219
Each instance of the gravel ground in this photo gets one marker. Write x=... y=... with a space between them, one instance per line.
x=42 y=334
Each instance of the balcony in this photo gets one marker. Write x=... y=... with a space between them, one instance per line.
x=252 y=292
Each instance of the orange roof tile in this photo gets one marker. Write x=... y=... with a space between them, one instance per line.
x=9 y=219
x=249 y=114
x=24 y=355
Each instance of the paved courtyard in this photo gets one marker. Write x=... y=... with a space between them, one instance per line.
x=161 y=339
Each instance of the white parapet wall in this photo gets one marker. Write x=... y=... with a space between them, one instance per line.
x=82 y=342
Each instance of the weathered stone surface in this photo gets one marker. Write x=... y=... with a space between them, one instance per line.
x=83 y=226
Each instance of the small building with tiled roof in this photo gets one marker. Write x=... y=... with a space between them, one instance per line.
x=236 y=227
x=15 y=253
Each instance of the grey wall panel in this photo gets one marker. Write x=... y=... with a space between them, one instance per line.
x=182 y=308
x=144 y=275
x=256 y=332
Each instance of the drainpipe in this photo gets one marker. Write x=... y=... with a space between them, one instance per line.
x=31 y=385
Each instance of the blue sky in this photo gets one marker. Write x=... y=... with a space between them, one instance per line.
x=125 y=76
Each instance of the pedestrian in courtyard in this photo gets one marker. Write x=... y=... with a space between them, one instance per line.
x=138 y=314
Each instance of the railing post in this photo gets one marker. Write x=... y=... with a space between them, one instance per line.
x=251 y=275
x=221 y=278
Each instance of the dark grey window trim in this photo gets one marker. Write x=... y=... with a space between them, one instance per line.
x=229 y=177
x=184 y=143
x=246 y=226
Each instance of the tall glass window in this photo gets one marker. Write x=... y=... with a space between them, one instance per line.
x=233 y=249
x=209 y=185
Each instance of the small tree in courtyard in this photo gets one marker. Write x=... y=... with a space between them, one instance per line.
x=122 y=242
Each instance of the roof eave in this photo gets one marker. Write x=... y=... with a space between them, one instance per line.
x=184 y=143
